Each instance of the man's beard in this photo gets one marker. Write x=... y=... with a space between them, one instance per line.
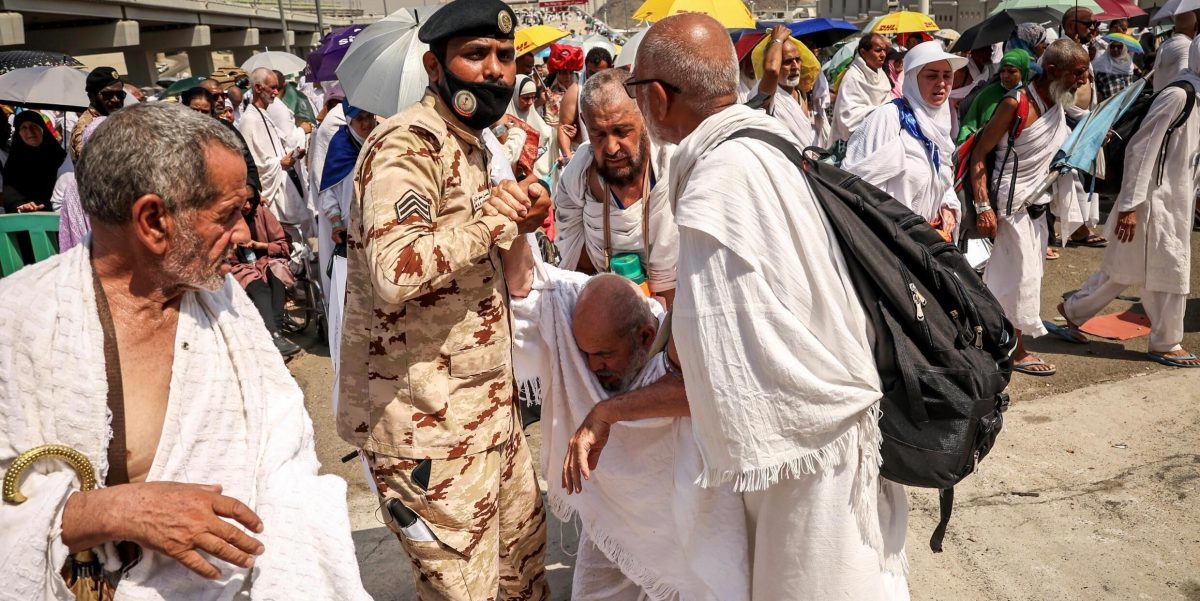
x=636 y=362
x=186 y=264
x=1061 y=93
x=624 y=176
x=793 y=81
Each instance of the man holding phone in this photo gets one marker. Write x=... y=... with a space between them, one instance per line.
x=265 y=142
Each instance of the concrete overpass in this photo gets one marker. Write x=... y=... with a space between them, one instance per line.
x=142 y=28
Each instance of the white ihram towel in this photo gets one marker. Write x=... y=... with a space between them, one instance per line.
x=641 y=506
x=235 y=417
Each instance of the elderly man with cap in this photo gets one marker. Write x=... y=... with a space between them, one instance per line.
x=106 y=95
x=425 y=382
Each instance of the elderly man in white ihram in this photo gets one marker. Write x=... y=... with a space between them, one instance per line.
x=1153 y=223
x=150 y=363
x=772 y=338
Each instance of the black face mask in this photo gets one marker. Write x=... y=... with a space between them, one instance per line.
x=478 y=105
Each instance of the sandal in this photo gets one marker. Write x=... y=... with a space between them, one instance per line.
x=1026 y=367
x=1092 y=241
x=1174 y=361
x=1052 y=254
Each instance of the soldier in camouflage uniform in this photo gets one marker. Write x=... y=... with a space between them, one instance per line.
x=426 y=376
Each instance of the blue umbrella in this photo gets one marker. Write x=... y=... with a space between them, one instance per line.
x=819 y=32
x=323 y=62
x=1083 y=145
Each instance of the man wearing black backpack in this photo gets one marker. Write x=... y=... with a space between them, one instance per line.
x=1154 y=221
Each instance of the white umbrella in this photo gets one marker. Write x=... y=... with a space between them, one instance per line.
x=382 y=72
x=276 y=61
x=629 y=50
x=1175 y=7
x=51 y=88
x=598 y=41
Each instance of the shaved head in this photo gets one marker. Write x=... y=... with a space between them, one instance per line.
x=692 y=51
x=614 y=328
x=688 y=71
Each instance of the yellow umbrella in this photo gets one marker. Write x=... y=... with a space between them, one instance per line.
x=905 y=22
x=532 y=39
x=733 y=14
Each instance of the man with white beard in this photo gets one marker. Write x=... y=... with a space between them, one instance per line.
x=612 y=197
x=787 y=71
x=587 y=347
x=774 y=344
x=864 y=87
x=1015 y=215
x=1153 y=223
x=272 y=157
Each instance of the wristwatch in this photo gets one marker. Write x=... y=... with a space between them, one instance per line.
x=983 y=208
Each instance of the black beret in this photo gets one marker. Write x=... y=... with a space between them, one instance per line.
x=475 y=18
x=100 y=78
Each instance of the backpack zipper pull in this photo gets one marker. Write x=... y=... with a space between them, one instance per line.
x=918 y=301
x=978 y=336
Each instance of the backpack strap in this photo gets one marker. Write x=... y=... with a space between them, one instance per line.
x=1015 y=131
x=1188 y=105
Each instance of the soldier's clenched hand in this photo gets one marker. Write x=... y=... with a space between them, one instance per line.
x=507 y=199
x=539 y=208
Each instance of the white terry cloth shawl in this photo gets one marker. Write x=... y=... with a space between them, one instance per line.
x=235 y=418
x=788 y=111
x=579 y=221
x=641 y=507
x=1036 y=148
x=862 y=89
x=1159 y=257
x=777 y=384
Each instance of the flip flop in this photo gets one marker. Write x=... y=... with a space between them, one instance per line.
x=1092 y=241
x=1023 y=367
x=1172 y=361
x=1068 y=333
x=1052 y=254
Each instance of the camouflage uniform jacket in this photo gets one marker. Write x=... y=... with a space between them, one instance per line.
x=426 y=363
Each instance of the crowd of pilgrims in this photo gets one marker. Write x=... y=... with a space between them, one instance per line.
x=855 y=100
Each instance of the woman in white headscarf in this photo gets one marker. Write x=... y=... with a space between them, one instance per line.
x=918 y=171
x=522 y=107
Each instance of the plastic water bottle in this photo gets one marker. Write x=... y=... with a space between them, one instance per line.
x=629 y=266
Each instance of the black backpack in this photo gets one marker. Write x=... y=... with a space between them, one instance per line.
x=942 y=344
x=1126 y=126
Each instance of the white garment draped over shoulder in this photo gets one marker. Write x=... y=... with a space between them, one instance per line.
x=1159 y=257
x=1172 y=60
x=1033 y=152
x=641 y=507
x=235 y=417
x=886 y=156
x=268 y=147
x=579 y=221
x=862 y=89
x=789 y=112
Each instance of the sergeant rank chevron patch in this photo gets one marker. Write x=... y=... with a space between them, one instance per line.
x=412 y=205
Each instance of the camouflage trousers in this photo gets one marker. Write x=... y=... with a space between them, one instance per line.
x=487 y=514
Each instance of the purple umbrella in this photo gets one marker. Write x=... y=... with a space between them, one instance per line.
x=323 y=61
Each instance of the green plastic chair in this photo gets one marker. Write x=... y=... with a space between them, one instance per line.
x=37 y=227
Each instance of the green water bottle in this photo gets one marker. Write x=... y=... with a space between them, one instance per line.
x=629 y=265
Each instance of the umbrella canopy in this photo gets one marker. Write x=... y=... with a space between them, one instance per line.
x=598 y=41
x=51 y=88
x=733 y=14
x=1175 y=7
x=182 y=86
x=745 y=44
x=819 y=32
x=1061 y=6
x=905 y=21
x=276 y=61
x=629 y=52
x=999 y=27
x=532 y=39
x=323 y=62
x=20 y=59
x=382 y=73
x=1083 y=145
x=1118 y=9
x=1129 y=41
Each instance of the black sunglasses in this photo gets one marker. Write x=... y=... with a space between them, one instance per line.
x=118 y=94
x=633 y=83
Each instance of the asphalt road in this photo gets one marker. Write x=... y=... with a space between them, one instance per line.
x=1091 y=492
